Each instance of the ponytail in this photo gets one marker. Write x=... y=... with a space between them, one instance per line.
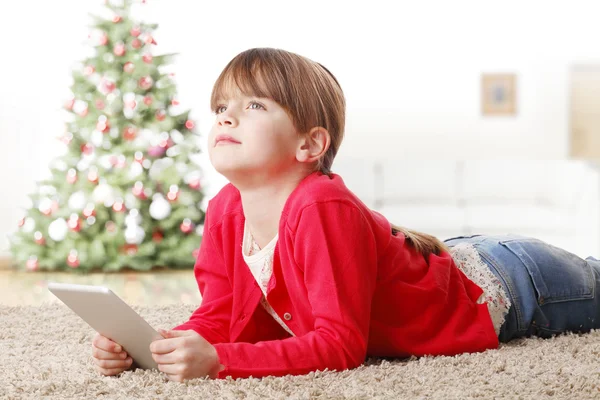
x=422 y=242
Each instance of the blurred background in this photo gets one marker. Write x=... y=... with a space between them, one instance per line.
x=463 y=117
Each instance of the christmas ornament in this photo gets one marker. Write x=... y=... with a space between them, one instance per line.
x=45 y=206
x=89 y=70
x=118 y=206
x=149 y=39
x=194 y=184
x=67 y=138
x=32 y=263
x=138 y=156
x=148 y=100
x=129 y=133
x=111 y=227
x=145 y=82
x=103 y=40
x=136 y=43
x=128 y=67
x=156 y=151
x=147 y=58
x=135 y=31
x=174 y=102
x=72 y=176
x=138 y=190
x=134 y=234
x=116 y=19
x=39 y=238
x=89 y=210
x=104 y=193
x=74 y=223
x=189 y=124
x=119 y=49
x=173 y=194
x=28 y=225
x=57 y=230
x=70 y=103
x=100 y=104
x=93 y=175
x=130 y=249
x=103 y=125
x=90 y=220
x=77 y=200
x=87 y=149
x=186 y=226
x=73 y=259
x=21 y=222
x=159 y=208
x=160 y=115
x=80 y=108
x=157 y=236
x=106 y=86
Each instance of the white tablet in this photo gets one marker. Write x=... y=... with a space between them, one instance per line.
x=110 y=316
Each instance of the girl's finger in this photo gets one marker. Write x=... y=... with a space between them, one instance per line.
x=110 y=372
x=113 y=364
x=106 y=344
x=107 y=355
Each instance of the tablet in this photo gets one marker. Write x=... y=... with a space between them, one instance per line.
x=110 y=316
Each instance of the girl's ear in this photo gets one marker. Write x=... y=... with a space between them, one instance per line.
x=313 y=145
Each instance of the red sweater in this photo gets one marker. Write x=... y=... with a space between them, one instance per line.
x=341 y=282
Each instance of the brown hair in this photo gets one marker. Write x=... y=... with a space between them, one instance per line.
x=312 y=97
x=309 y=93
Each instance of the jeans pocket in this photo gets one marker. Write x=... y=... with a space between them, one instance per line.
x=557 y=274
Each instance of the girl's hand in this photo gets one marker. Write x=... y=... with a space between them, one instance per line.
x=109 y=357
x=185 y=355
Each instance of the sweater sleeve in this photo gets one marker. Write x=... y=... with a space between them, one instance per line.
x=336 y=248
x=211 y=319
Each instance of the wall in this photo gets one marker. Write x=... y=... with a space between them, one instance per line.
x=410 y=71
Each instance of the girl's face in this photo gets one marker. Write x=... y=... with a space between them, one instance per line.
x=252 y=138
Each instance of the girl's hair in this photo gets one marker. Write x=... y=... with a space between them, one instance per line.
x=422 y=242
x=311 y=95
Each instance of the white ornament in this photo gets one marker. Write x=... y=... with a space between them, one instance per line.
x=104 y=193
x=77 y=200
x=29 y=225
x=134 y=170
x=134 y=234
x=160 y=207
x=57 y=230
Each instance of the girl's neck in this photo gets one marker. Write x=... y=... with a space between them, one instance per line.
x=263 y=205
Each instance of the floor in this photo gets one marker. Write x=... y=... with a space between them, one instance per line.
x=135 y=288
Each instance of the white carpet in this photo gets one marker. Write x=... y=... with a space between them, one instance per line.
x=46 y=353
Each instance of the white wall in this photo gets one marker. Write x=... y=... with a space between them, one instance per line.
x=410 y=71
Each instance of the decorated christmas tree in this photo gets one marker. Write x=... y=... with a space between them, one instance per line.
x=125 y=193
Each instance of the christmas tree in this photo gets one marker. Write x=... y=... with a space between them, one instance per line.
x=125 y=193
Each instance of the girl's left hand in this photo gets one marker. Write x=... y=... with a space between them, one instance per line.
x=185 y=355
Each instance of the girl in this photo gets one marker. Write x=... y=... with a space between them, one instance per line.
x=297 y=274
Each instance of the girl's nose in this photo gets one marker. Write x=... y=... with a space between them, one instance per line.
x=227 y=119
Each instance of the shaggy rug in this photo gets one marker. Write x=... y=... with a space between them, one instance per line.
x=46 y=353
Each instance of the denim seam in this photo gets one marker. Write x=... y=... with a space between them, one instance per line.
x=508 y=283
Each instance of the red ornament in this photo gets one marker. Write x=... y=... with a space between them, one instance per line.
x=145 y=82
x=83 y=112
x=93 y=176
x=129 y=133
x=87 y=149
x=138 y=190
x=136 y=43
x=160 y=115
x=119 y=49
x=74 y=223
x=148 y=100
x=103 y=39
x=110 y=226
x=39 y=238
x=130 y=249
x=186 y=226
x=117 y=19
x=189 y=124
x=194 y=184
x=89 y=210
x=32 y=264
x=21 y=222
x=174 y=102
x=157 y=236
x=72 y=176
x=128 y=67
x=118 y=206
x=147 y=58
x=173 y=196
x=89 y=70
x=73 y=259
x=70 y=103
x=107 y=86
x=130 y=104
x=135 y=31
x=150 y=40
x=100 y=104
x=103 y=125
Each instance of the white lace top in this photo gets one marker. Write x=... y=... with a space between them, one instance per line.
x=468 y=260
x=260 y=262
x=465 y=256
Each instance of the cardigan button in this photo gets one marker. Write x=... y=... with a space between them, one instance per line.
x=287 y=316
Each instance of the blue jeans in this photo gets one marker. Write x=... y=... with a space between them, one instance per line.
x=551 y=290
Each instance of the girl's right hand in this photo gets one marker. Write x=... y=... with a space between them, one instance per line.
x=109 y=357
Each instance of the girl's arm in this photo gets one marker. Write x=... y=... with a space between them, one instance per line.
x=211 y=319
x=336 y=248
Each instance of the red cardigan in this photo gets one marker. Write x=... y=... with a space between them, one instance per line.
x=341 y=282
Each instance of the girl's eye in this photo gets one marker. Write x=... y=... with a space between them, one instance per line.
x=259 y=106
x=218 y=109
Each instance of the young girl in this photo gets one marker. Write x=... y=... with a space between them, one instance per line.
x=297 y=274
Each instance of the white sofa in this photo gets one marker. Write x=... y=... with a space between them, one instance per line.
x=557 y=201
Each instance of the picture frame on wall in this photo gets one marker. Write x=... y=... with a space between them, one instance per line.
x=498 y=94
